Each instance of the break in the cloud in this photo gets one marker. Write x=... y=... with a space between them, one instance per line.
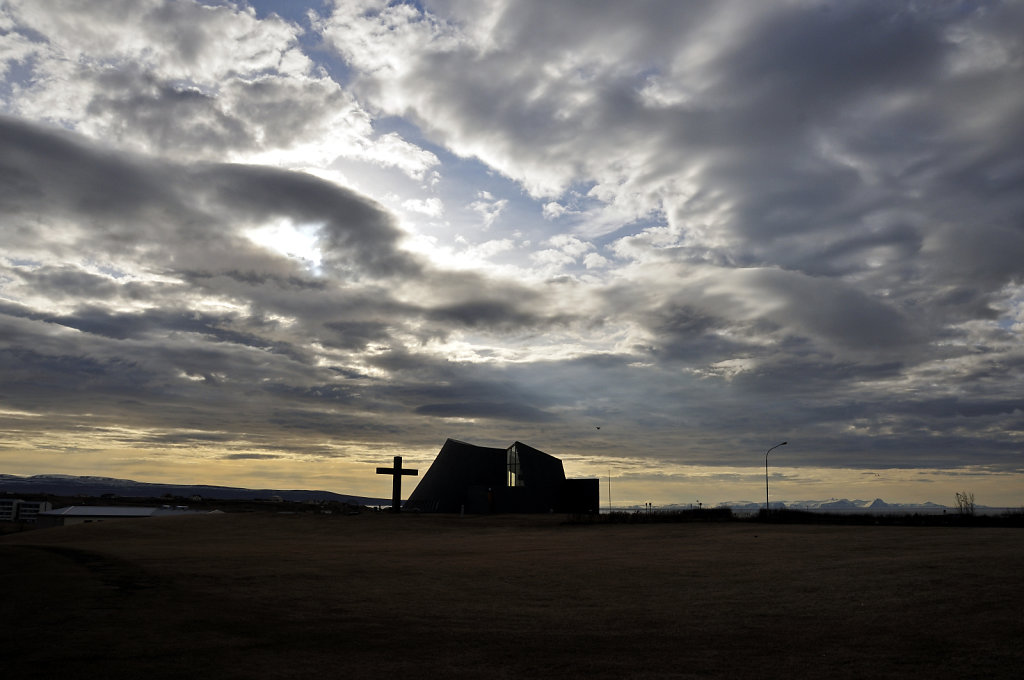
x=302 y=239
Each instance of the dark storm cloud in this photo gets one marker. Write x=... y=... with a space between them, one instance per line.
x=161 y=322
x=46 y=169
x=35 y=378
x=354 y=334
x=98 y=321
x=135 y=203
x=59 y=281
x=253 y=278
x=808 y=374
x=513 y=411
x=840 y=314
x=682 y=332
x=958 y=407
x=445 y=389
x=804 y=64
x=179 y=120
x=844 y=254
x=493 y=314
x=355 y=234
x=833 y=77
x=325 y=393
x=165 y=216
x=352 y=426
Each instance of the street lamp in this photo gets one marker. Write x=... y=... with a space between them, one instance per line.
x=767 y=508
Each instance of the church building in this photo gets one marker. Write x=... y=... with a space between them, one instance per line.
x=518 y=479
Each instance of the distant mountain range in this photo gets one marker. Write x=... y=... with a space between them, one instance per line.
x=70 y=485
x=831 y=505
x=840 y=505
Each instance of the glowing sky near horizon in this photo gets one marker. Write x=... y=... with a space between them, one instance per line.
x=275 y=244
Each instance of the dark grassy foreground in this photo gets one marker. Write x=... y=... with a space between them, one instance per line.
x=376 y=595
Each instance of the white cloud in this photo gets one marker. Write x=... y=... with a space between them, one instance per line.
x=177 y=40
x=553 y=210
x=195 y=82
x=488 y=208
x=570 y=245
x=392 y=150
x=432 y=207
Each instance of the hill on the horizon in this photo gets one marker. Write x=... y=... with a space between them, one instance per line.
x=840 y=505
x=71 y=485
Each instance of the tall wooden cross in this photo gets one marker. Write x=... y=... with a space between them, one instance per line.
x=396 y=473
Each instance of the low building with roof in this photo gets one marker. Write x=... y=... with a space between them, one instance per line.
x=81 y=514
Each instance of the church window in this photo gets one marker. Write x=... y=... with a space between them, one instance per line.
x=515 y=477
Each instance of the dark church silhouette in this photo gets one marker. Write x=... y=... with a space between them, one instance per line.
x=480 y=480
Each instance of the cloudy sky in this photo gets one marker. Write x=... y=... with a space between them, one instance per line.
x=272 y=244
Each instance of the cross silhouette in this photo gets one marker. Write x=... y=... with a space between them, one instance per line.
x=396 y=473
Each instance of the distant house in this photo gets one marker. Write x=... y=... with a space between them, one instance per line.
x=81 y=514
x=517 y=479
x=17 y=510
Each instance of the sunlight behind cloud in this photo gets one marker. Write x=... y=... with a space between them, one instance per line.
x=297 y=241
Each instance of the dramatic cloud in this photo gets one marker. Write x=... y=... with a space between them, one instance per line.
x=299 y=238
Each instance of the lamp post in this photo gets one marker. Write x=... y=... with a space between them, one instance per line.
x=767 y=508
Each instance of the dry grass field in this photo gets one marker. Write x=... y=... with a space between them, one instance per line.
x=377 y=596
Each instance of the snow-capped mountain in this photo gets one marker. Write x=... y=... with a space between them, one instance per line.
x=838 y=505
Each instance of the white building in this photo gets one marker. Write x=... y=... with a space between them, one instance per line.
x=17 y=510
x=80 y=514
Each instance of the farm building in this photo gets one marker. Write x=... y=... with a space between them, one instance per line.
x=79 y=514
x=520 y=478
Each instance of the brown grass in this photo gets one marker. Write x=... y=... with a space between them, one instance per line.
x=372 y=596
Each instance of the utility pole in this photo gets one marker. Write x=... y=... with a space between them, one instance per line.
x=767 y=508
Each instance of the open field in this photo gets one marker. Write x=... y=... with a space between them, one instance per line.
x=377 y=595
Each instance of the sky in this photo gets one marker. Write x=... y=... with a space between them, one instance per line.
x=275 y=244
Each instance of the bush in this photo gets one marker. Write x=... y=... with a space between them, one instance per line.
x=965 y=502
